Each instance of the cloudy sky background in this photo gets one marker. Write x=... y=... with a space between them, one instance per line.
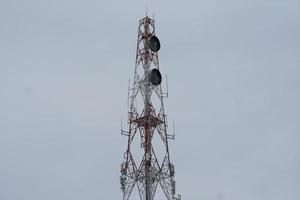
x=234 y=75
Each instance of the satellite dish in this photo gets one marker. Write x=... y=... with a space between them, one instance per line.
x=155 y=77
x=153 y=43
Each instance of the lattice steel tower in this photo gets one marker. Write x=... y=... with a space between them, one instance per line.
x=147 y=119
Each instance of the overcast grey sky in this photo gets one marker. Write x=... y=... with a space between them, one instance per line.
x=234 y=75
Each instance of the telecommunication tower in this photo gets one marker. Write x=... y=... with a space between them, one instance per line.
x=146 y=118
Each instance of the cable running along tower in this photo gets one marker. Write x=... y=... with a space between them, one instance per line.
x=146 y=119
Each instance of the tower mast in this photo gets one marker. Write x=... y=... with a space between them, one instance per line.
x=149 y=172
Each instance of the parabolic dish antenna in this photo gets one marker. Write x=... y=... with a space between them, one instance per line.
x=154 y=43
x=155 y=77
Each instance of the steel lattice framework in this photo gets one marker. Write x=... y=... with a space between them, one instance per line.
x=150 y=172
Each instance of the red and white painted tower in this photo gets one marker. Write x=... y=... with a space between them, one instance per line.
x=147 y=163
